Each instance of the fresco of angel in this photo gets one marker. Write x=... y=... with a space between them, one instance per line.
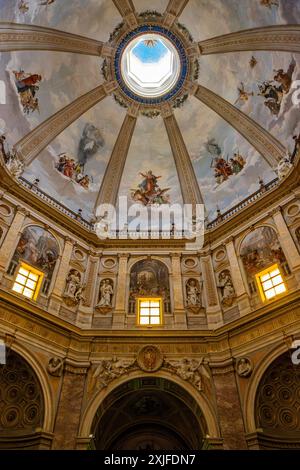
x=243 y=94
x=23 y=7
x=253 y=62
x=27 y=87
x=274 y=90
x=149 y=192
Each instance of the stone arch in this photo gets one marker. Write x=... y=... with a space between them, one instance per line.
x=208 y=412
x=26 y=404
x=255 y=381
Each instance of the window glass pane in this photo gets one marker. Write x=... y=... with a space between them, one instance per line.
x=277 y=280
x=34 y=277
x=23 y=271
x=145 y=303
x=274 y=273
x=265 y=277
x=18 y=288
x=154 y=304
x=21 y=279
x=155 y=321
x=270 y=293
x=144 y=311
x=280 y=289
x=155 y=312
x=30 y=284
x=28 y=293
x=267 y=285
x=144 y=320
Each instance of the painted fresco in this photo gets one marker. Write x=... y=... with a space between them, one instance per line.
x=247 y=79
x=149 y=278
x=261 y=249
x=38 y=248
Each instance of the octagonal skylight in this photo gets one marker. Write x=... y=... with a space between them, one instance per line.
x=150 y=65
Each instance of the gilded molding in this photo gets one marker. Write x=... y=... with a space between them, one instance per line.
x=22 y=37
x=188 y=182
x=270 y=38
x=109 y=189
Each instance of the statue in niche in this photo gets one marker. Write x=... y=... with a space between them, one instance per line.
x=193 y=295
x=226 y=287
x=244 y=367
x=55 y=366
x=73 y=293
x=106 y=295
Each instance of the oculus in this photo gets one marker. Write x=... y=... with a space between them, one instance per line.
x=150 y=65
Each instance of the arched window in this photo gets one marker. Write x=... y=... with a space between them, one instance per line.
x=149 y=295
x=34 y=261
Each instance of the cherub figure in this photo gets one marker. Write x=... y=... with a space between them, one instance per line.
x=23 y=7
x=243 y=94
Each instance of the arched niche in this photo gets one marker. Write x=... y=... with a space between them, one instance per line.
x=36 y=247
x=277 y=412
x=22 y=405
x=150 y=278
x=260 y=249
x=149 y=413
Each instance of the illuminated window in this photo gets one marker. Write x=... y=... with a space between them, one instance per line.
x=28 y=281
x=270 y=283
x=149 y=312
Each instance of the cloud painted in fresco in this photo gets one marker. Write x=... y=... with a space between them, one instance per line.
x=67 y=76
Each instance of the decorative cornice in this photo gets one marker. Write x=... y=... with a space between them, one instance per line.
x=23 y=37
x=268 y=38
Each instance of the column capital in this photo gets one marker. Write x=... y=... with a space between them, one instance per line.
x=276 y=210
x=70 y=240
x=123 y=255
x=23 y=210
x=229 y=240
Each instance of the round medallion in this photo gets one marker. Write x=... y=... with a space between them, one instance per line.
x=150 y=358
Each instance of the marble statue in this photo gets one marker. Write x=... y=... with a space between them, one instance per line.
x=227 y=290
x=73 y=293
x=106 y=293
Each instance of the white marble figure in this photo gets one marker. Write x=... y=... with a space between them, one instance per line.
x=73 y=293
x=227 y=290
x=193 y=293
x=106 y=293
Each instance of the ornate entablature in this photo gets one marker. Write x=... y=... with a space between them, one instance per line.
x=174 y=44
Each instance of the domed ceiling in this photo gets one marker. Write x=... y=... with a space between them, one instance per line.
x=227 y=167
